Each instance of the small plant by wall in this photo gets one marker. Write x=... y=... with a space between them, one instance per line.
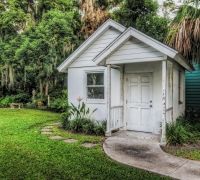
x=78 y=119
x=182 y=131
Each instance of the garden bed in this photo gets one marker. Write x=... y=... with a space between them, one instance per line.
x=189 y=151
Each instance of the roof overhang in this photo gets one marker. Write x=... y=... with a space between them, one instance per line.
x=131 y=32
x=108 y=24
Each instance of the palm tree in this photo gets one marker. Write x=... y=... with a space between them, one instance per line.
x=184 y=34
x=93 y=16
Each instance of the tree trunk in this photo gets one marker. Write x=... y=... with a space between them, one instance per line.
x=47 y=89
x=41 y=87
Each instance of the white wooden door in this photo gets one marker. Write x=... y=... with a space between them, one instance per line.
x=139 y=102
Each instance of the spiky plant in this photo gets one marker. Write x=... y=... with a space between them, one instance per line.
x=184 y=34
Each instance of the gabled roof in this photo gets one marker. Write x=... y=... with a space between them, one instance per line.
x=131 y=32
x=108 y=24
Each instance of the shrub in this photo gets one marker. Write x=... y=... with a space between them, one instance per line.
x=176 y=134
x=78 y=119
x=81 y=111
x=60 y=104
x=65 y=120
x=100 y=128
x=22 y=98
x=6 y=101
x=88 y=126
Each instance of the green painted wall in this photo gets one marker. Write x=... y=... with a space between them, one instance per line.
x=193 y=88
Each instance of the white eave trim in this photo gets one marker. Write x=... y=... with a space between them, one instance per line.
x=108 y=24
x=131 y=32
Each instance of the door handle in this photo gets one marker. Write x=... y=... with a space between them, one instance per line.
x=150 y=105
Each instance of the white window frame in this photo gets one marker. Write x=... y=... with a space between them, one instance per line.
x=94 y=101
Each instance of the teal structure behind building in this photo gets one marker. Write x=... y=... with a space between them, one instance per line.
x=193 y=87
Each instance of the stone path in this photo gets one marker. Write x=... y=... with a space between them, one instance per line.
x=143 y=151
x=48 y=131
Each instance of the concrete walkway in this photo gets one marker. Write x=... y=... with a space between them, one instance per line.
x=142 y=150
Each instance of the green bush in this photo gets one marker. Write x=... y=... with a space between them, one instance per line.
x=100 y=128
x=6 y=101
x=182 y=131
x=78 y=120
x=65 y=120
x=59 y=104
x=81 y=111
x=177 y=133
x=22 y=98
x=86 y=126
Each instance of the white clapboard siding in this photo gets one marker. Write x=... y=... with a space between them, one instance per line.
x=86 y=58
x=134 y=50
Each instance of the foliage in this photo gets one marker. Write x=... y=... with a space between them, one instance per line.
x=22 y=98
x=78 y=119
x=130 y=10
x=176 y=134
x=193 y=115
x=6 y=101
x=184 y=34
x=86 y=126
x=93 y=15
x=59 y=104
x=19 y=98
x=153 y=25
x=182 y=131
x=81 y=111
x=34 y=38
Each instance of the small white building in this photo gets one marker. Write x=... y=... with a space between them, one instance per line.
x=135 y=82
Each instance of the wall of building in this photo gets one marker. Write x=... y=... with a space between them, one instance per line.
x=77 y=88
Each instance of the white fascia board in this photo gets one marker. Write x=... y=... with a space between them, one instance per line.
x=153 y=43
x=131 y=32
x=183 y=62
x=109 y=23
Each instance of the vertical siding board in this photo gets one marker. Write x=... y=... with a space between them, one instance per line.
x=193 y=87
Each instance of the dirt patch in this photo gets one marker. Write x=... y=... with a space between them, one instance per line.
x=137 y=151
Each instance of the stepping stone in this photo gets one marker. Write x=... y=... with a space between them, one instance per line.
x=57 y=138
x=55 y=124
x=89 y=145
x=46 y=130
x=49 y=127
x=46 y=133
x=70 y=141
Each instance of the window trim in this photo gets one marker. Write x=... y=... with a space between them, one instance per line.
x=95 y=101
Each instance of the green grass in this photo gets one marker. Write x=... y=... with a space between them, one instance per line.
x=188 y=152
x=26 y=154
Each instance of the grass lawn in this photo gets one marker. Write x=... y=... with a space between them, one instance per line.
x=26 y=154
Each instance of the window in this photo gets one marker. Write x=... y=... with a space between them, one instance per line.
x=95 y=85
